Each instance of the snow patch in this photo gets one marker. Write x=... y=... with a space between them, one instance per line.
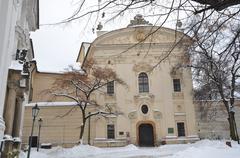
x=200 y=149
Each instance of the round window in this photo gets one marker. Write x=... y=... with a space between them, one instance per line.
x=144 y=109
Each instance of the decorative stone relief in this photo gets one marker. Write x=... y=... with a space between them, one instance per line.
x=178 y=95
x=132 y=115
x=22 y=37
x=157 y=114
x=179 y=107
x=139 y=20
x=142 y=66
x=141 y=98
x=140 y=35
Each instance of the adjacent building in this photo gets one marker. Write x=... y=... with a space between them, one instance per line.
x=18 y=19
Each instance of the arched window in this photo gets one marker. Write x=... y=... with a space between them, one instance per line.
x=143 y=82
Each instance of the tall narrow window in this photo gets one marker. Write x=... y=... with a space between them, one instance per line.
x=110 y=88
x=181 y=129
x=143 y=82
x=176 y=85
x=110 y=131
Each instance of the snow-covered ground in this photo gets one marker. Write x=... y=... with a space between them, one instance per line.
x=200 y=149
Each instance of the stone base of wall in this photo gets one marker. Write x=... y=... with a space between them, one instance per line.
x=102 y=142
x=178 y=140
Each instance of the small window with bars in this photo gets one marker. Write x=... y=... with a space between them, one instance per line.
x=176 y=85
x=110 y=131
x=110 y=88
x=181 y=129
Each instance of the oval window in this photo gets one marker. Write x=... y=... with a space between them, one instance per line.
x=144 y=109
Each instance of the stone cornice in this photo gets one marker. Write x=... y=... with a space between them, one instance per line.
x=136 y=45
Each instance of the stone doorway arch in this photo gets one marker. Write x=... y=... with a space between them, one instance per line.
x=146 y=134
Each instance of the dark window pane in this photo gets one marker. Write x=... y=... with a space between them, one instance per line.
x=110 y=132
x=144 y=109
x=143 y=83
x=110 y=87
x=176 y=85
x=34 y=141
x=181 y=129
x=170 y=130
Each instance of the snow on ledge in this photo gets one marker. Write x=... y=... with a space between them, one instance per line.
x=51 y=104
x=179 y=113
x=15 y=65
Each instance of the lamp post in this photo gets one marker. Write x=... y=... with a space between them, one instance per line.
x=35 y=111
x=39 y=131
x=89 y=128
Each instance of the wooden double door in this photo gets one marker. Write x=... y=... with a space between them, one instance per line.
x=146 y=135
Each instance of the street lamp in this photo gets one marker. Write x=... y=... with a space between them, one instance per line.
x=35 y=111
x=39 y=130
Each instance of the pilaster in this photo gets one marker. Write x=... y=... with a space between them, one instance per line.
x=18 y=117
x=10 y=107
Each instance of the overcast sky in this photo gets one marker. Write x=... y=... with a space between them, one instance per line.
x=57 y=46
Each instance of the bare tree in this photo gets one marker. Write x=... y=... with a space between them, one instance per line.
x=202 y=20
x=216 y=64
x=182 y=15
x=78 y=85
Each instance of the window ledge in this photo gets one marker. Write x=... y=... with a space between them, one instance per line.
x=178 y=95
x=144 y=95
x=110 y=96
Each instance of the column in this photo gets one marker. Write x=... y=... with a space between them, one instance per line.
x=9 y=118
x=17 y=124
x=10 y=108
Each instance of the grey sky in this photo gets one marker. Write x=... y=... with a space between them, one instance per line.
x=57 y=46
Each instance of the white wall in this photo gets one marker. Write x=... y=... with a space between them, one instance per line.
x=8 y=16
x=14 y=14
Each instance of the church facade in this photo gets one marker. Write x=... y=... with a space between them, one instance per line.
x=156 y=107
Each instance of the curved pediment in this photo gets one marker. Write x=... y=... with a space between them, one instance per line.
x=145 y=34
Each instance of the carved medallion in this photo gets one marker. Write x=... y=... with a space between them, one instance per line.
x=157 y=114
x=140 y=36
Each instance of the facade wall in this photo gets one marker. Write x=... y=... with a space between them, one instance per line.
x=211 y=122
x=56 y=130
x=165 y=107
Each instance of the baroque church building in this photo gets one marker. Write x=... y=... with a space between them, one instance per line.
x=156 y=106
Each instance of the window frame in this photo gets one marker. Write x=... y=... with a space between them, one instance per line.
x=177 y=85
x=143 y=83
x=110 y=88
x=110 y=131
x=181 y=131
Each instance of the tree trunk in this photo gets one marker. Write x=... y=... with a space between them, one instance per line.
x=82 y=131
x=235 y=128
x=232 y=127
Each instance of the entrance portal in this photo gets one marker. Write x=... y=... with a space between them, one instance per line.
x=146 y=137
